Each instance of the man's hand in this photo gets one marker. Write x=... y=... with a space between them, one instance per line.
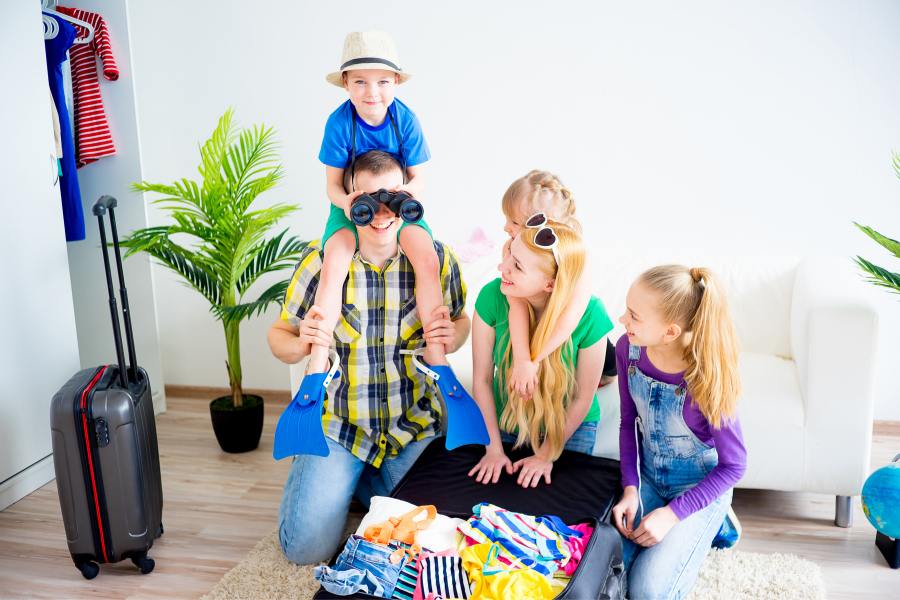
x=313 y=330
x=654 y=527
x=442 y=330
x=348 y=201
x=533 y=468
x=491 y=465
x=625 y=511
x=524 y=378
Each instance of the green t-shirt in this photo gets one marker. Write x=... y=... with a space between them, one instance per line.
x=493 y=308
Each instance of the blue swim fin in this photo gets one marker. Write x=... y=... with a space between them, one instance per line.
x=465 y=423
x=299 y=429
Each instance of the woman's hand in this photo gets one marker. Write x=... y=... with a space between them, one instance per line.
x=442 y=330
x=491 y=465
x=533 y=468
x=625 y=511
x=654 y=527
x=313 y=330
x=524 y=379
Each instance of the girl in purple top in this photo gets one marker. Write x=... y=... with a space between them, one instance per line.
x=680 y=439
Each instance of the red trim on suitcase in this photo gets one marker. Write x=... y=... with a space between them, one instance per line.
x=87 y=444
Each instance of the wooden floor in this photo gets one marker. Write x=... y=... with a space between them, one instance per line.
x=217 y=506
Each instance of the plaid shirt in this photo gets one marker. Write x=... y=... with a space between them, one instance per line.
x=380 y=403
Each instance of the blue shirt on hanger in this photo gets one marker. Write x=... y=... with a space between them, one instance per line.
x=56 y=48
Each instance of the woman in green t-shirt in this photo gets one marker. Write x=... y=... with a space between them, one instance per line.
x=542 y=266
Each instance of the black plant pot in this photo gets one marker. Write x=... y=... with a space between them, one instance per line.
x=237 y=429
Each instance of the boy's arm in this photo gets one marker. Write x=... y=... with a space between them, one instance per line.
x=334 y=188
x=416 y=182
x=571 y=316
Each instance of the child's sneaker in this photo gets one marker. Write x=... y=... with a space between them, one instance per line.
x=730 y=532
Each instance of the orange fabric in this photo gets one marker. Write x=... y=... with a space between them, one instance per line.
x=402 y=529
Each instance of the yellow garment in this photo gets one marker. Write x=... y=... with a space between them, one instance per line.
x=518 y=584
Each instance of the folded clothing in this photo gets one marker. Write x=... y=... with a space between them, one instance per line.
x=490 y=580
x=441 y=574
x=577 y=546
x=362 y=567
x=438 y=537
x=536 y=542
x=408 y=579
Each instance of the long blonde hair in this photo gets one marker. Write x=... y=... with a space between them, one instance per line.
x=545 y=413
x=542 y=191
x=695 y=299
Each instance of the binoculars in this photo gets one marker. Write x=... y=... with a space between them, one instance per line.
x=366 y=206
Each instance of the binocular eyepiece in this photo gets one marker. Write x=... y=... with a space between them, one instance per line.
x=366 y=206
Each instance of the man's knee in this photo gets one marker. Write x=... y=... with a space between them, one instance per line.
x=304 y=553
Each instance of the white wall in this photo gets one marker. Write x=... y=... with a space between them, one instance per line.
x=38 y=348
x=111 y=176
x=766 y=125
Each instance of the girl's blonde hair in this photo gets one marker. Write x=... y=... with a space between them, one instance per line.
x=542 y=191
x=545 y=413
x=695 y=299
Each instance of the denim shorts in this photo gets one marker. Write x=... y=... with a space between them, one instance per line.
x=362 y=566
x=582 y=439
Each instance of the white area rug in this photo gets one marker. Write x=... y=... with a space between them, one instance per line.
x=265 y=574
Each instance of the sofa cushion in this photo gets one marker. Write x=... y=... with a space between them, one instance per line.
x=759 y=287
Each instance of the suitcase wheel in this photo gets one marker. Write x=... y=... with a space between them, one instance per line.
x=88 y=570
x=144 y=563
x=161 y=530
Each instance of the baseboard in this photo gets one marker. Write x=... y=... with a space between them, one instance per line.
x=211 y=393
x=886 y=428
x=159 y=402
x=26 y=481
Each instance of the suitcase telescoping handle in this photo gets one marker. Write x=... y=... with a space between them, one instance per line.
x=102 y=206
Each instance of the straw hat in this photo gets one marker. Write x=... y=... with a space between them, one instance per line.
x=368 y=50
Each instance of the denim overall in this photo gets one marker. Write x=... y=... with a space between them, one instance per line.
x=671 y=460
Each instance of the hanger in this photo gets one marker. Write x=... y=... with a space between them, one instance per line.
x=49 y=7
x=51 y=27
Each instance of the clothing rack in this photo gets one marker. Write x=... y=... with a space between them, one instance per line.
x=48 y=7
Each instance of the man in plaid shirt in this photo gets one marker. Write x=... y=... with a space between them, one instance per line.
x=381 y=412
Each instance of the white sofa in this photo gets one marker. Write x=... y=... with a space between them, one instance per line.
x=808 y=334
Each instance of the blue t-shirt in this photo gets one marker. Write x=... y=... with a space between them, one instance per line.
x=337 y=145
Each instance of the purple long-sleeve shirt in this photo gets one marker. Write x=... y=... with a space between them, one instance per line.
x=728 y=440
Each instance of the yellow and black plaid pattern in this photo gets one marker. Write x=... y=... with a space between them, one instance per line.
x=380 y=403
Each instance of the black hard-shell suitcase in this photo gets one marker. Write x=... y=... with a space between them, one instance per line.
x=105 y=450
x=584 y=490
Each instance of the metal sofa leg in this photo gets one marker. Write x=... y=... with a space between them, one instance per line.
x=843 y=511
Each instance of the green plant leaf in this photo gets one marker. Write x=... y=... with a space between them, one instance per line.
x=239 y=312
x=878 y=276
x=224 y=250
x=273 y=257
x=892 y=246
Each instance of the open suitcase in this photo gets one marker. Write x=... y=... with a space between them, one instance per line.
x=105 y=450
x=584 y=490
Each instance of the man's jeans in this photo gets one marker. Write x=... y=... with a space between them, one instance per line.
x=318 y=492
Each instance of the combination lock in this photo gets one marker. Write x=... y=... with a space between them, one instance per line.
x=101 y=432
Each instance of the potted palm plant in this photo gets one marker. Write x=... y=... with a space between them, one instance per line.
x=227 y=252
x=875 y=274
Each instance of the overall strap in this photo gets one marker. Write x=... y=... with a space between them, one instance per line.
x=634 y=352
x=402 y=529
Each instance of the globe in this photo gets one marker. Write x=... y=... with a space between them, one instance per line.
x=881 y=500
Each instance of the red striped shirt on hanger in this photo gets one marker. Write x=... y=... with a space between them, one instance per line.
x=92 y=137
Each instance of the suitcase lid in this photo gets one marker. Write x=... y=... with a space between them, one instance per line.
x=582 y=485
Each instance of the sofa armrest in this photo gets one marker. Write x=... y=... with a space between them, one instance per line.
x=834 y=338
